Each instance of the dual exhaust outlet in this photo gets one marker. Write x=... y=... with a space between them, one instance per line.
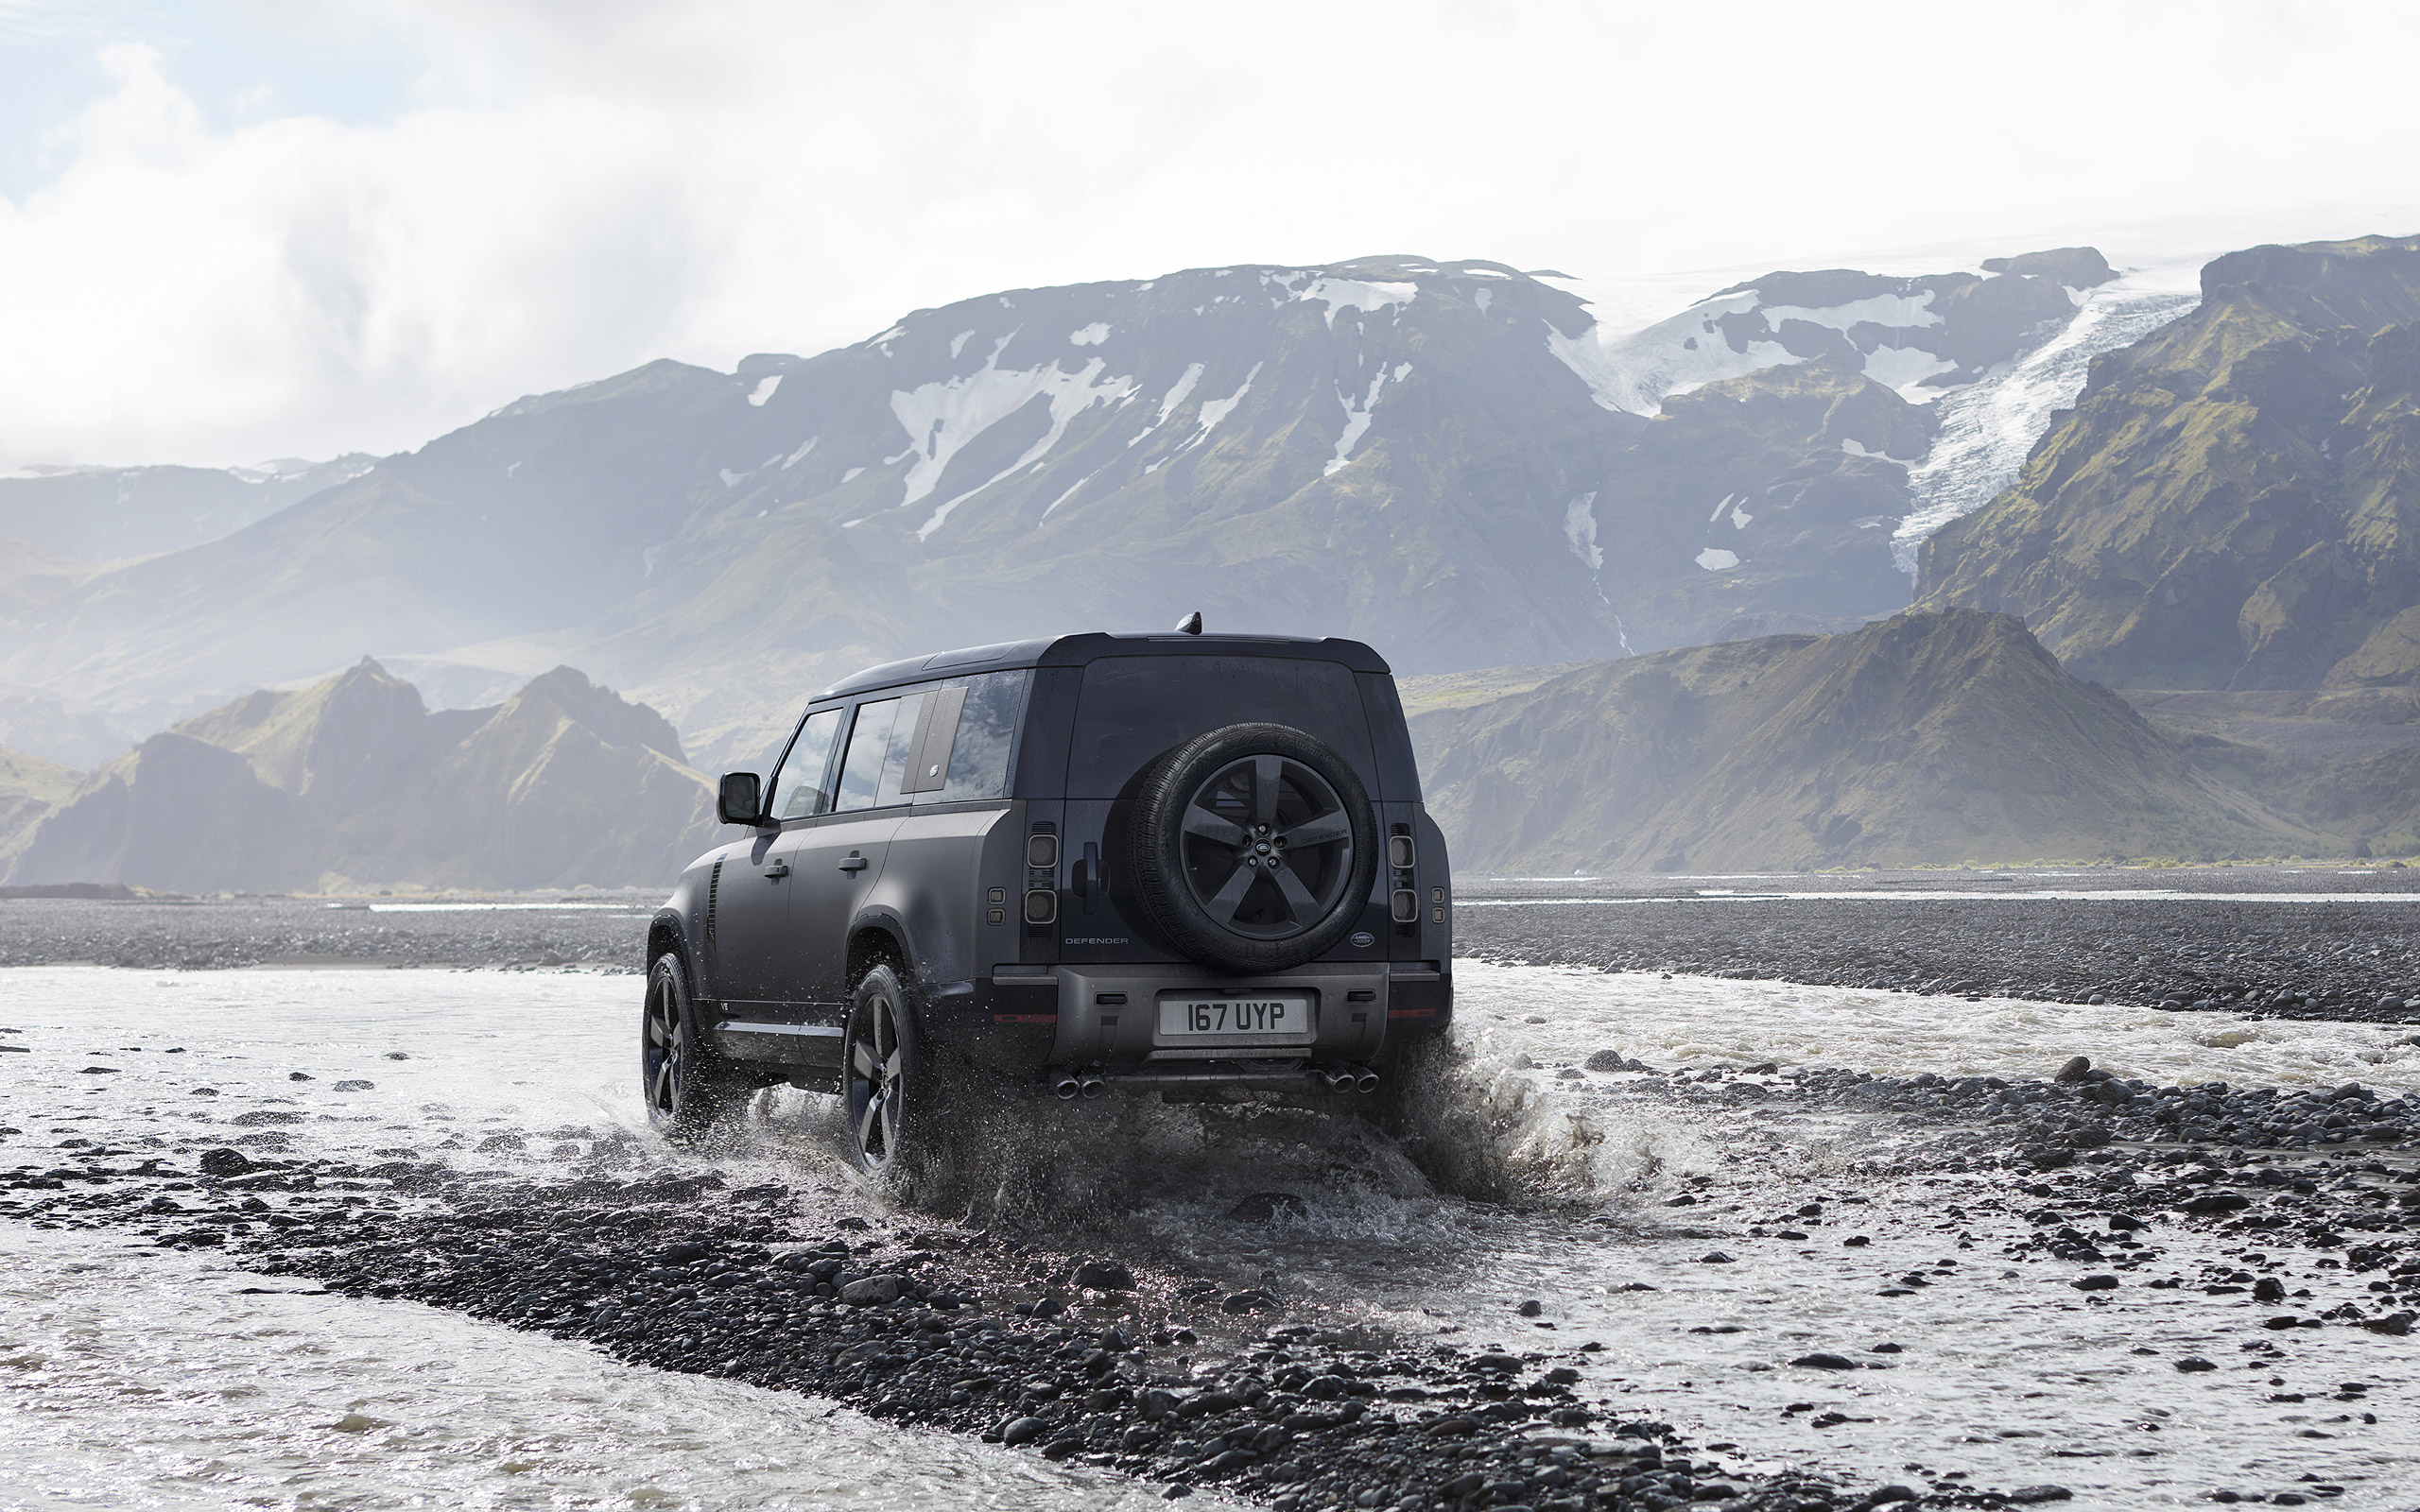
x=1069 y=1085
x=1067 y=1089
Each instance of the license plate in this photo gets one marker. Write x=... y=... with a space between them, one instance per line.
x=1279 y=1015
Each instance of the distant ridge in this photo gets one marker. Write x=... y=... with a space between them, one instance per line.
x=1927 y=738
x=353 y=781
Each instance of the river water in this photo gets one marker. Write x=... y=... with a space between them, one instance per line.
x=131 y=1376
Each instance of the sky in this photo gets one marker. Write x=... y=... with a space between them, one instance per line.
x=237 y=230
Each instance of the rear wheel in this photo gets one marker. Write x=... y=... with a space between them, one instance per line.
x=1253 y=848
x=687 y=1087
x=885 y=1086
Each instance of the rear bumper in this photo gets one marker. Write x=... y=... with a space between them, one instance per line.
x=1108 y=1018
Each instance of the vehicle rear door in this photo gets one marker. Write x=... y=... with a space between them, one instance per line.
x=840 y=857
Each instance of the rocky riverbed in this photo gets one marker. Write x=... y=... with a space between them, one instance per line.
x=1648 y=1241
x=2271 y=940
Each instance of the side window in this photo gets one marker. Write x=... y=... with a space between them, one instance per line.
x=877 y=758
x=974 y=743
x=798 y=789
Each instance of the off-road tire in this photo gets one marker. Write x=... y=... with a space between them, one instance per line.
x=888 y=1099
x=686 y=1086
x=1252 y=848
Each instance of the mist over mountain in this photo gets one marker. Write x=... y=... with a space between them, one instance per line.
x=1928 y=738
x=105 y=514
x=1448 y=460
x=354 y=781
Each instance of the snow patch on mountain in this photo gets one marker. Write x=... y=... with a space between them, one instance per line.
x=942 y=418
x=800 y=456
x=1215 y=410
x=1070 y=395
x=1635 y=373
x=1896 y=312
x=1715 y=560
x=764 y=390
x=1905 y=369
x=1356 y=422
x=1091 y=336
x=957 y=344
x=1352 y=293
x=1989 y=429
x=1579 y=528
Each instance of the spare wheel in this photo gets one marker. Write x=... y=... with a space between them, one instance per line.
x=1252 y=847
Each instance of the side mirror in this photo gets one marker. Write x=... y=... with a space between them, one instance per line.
x=740 y=798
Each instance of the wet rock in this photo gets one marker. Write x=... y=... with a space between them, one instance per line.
x=1606 y=1060
x=1265 y=1207
x=872 y=1291
x=1021 y=1430
x=2074 y=1070
x=1104 y=1276
x=2193 y=1363
x=223 y=1161
x=2036 y=1495
x=1250 y=1301
x=2268 y=1289
x=1531 y=1307
x=357 y=1085
x=1825 y=1362
x=300 y=1075
x=1715 y=1258
x=2095 y=1283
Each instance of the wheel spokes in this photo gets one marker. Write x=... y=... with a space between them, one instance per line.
x=1209 y=826
x=1230 y=895
x=1267 y=771
x=1297 y=896
x=866 y=1120
x=1324 y=830
x=862 y=1058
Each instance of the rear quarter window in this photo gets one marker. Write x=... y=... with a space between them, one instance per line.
x=1134 y=709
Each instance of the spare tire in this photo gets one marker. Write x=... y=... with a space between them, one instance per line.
x=1252 y=847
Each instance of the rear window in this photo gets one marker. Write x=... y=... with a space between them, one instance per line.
x=1135 y=708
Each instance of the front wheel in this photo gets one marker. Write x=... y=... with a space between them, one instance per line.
x=687 y=1087
x=884 y=1082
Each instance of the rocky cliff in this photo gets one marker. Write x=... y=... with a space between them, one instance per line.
x=1926 y=738
x=2235 y=500
x=354 y=781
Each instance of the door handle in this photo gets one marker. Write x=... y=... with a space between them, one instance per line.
x=777 y=871
x=854 y=864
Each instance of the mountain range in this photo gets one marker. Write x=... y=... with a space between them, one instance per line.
x=1453 y=460
x=354 y=781
x=1923 y=739
x=1652 y=582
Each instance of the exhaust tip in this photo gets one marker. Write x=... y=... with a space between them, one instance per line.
x=1065 y=1088
x=1093 y=1087
x=1365 y=1081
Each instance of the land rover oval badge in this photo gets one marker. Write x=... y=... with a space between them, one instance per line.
x=1362 y=940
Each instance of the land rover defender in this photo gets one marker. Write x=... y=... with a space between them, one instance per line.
x=1194 y=865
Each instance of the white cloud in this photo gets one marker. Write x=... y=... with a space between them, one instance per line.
x=567 y=189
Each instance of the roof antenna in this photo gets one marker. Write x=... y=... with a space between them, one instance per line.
x=1191 y=625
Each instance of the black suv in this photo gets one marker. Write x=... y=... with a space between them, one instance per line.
x=1187 y=864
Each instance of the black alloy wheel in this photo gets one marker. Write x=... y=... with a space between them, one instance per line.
x=685 y=1086
x=1253 y=848
x=882 y=1079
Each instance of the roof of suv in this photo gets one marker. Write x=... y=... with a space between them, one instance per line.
x=1075 y=650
